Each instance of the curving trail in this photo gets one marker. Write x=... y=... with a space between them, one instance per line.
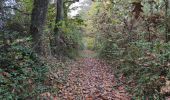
x=91 y=79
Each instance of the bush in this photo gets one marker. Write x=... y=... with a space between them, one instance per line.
x=21 y=73
x=144 y=64
x=110 y=51
x=70 y=37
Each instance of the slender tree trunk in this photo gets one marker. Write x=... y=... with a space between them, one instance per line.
x=167 y=23
x=2 y=22
x=1 y=7
x=37 y=27
x=59 y=15
x=167 y=14
x=1 y=13
x=57 y=31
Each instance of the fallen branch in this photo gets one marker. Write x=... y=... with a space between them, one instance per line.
x=120 y=84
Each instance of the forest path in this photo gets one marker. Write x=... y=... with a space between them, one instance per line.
x=91 y=79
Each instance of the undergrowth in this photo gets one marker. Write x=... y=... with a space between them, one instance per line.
x=22 y=73
x=144 y=64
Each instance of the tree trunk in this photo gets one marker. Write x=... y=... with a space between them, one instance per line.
x=57 y=31
x=59 y=15
x=168 y=35
x=1 y=7
x=1 y=13
x=2 y=22
x=37 y=27
x=167 y=14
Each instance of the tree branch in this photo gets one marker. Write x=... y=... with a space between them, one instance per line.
x=14 y=8
x=71 y=1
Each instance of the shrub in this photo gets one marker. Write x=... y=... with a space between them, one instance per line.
x=21 y=73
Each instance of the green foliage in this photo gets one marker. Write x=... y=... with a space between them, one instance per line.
x=144 y=63
x=25 y=5
x=110 y=50
x=22 y=73
x=145 y=69
x=141 y=60
x=111 y=28
x=71 y=34
x=88 y=43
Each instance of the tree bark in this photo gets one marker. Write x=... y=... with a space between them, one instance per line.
x=2 y=24
x=1 y=7
x=1 y=13
x=38 y=19
x=59 y=14
x=167 y=14
x=57 y=31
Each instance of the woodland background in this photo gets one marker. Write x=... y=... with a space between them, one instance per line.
x=38 y=37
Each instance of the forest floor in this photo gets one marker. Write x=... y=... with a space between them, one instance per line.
x=90 y=78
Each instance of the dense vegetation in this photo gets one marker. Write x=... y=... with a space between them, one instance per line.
x=137 y=39
x=27 y=38
x=38 y=37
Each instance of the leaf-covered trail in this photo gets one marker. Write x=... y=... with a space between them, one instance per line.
x=91 y=79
